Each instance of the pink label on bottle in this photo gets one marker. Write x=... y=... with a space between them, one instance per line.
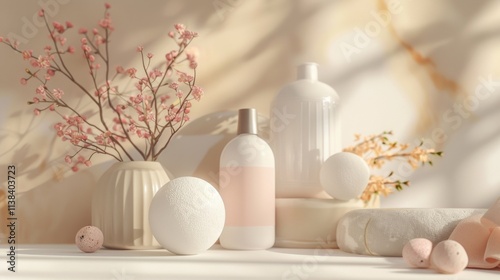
x=248 y=194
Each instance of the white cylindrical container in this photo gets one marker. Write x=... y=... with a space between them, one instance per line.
x=305 y=131
x=247 y=187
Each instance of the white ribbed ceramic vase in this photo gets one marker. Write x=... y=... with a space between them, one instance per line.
x=120 y=204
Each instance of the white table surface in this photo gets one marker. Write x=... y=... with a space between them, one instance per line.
x=67 y=262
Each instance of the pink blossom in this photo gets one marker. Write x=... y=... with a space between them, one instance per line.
x=62 y=40
x=120 y=69
x=105 y=23
x=81 y=159
x=171 y=34
x=36 y=100
x=164 y=98
x=43 y=62
x=40 y=90
x=188 y=35
x=137 y=99
x=180 y=27
x=34 y=63
x=173 y=85
x=47 y=49
x=184 y=78
x=74 y=168
x=69 y=24
x=36 y=112
x=86 y=48
x=58 y=27
x=23 y=81
x=140 y=49
x=82 y=30
x=71 y=49
x=52 y=107
x=91 y=58
x=187 y=111
x=119 y=108
x=197 y=92
x=139 y=86
x=150 y=55
x=67 y=159
x=99 y=40
x=155 y=73
x=41 y=13
x=58 y=93
x=88 y=163
x=171 y=55
x=95 y=31
x=131 y=72
x=27 y=54
x=107 y=5
x=1 y=39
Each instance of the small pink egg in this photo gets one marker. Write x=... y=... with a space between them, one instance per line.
x=417 y=252
x=89 y=239
x=449 y=257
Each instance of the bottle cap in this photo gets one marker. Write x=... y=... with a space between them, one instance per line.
x=308 y=70
x=247 y=121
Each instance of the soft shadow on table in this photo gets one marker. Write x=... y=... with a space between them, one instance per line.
x=403 y=268
x=314 y=251
x=101 y=253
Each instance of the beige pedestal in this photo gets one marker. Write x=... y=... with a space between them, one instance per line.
x=311 y=222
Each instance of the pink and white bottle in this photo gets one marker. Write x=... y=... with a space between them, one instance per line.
x=247 y=187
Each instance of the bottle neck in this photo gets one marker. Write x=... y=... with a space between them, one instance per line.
x=308 y=71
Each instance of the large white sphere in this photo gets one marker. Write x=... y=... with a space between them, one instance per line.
x=344 y=176
x=187 y=216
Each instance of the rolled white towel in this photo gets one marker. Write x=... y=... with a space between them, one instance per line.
x=384 y=232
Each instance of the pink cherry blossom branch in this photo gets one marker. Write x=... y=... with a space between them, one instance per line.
x=145 y=116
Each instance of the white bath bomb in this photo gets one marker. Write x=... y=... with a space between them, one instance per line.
x=449 y=257
x=417 y=252
x=344 y=176
x=187 y=216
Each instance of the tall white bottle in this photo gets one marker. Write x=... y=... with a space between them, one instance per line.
x=247 y=187
x=305 y=131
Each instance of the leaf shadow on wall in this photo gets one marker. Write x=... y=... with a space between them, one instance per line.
x=445 y=66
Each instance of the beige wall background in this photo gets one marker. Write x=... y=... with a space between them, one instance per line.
x=424 y=69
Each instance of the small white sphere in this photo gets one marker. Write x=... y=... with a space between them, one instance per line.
x=89 y=239
x=449 y=257
x=344 y=175
x=417 y=252
x=187 y=216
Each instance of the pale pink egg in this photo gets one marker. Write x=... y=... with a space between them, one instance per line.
x=417 y=252
x=449 y=257
x=89 y=239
